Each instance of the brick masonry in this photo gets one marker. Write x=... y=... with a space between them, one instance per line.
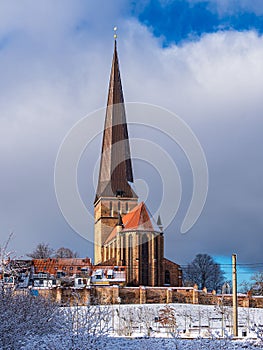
x=142 y=295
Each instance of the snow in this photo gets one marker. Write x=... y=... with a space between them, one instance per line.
x=29 y=323
x=191 y=320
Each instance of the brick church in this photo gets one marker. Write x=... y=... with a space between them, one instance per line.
x=125 y=233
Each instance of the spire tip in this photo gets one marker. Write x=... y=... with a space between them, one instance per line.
x=115 y=32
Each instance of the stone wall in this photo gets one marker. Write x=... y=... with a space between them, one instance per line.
x=144 y=295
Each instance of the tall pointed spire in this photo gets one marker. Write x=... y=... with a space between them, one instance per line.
x=115 y=166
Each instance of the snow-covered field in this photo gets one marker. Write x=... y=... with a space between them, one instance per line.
x=28 y=323
x=178 y=344
x=191 y=320
x=197 y=327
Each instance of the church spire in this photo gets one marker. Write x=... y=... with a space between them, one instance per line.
x=115 y=166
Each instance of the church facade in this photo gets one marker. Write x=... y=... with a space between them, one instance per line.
x=125 y=234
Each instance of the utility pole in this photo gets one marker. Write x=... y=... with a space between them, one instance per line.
x=234 y=282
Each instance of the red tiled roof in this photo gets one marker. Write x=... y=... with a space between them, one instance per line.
x=137 y=219
x=67 y=265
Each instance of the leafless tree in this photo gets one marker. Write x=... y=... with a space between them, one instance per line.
x=42 y=251
x=167 y=318
x=85 y=326
x=245 y=287
x=65 y=253
x=5 y=257
x=127 y=320
x=205 y=272
x=257 y=283
x=21 y=314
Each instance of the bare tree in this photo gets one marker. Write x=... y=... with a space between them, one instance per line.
x=167 y=318
x=42 y=251
x=21 y=314
x=81 y=327
x=146 y=316
x=245 y=287
x=205 y=272
x=65 y=253
x=127 y=320
x=257 y=283
x=5 y=258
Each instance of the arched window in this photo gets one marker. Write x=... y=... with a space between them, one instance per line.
x=123 y=244
x=145 y=260
x=156 y=247
x=130 y=256
x=127 y=207
x=167 y=277
x=111 y=209
x=156 y=258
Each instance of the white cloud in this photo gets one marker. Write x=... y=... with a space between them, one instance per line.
x=224 y=7
x=52 y=75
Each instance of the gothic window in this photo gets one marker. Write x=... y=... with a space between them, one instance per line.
x=127 y=207
x=156 y=248
x=124 y=257
x=156 y=260
x=130 y=262
x=145 y=260
x=167 y=277
x=111 y=209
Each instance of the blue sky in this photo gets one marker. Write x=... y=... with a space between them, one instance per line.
x=201 y=60
x=177 y=21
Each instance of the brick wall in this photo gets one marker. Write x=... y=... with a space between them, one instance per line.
x=175 y=273
x=143 y=295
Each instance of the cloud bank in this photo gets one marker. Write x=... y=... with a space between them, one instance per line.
x=55 y=63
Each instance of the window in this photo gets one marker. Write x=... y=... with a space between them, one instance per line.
x=167 y=277
x=71 y=268
x=156 y=259
x=111 y=210
x=64 y=268
x=127 y=207
x=79 y=281
x=145 y=260
x=130 y=258
x=78 y=268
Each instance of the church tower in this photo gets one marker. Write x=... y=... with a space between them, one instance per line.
x=125 y=233
x=114 y=195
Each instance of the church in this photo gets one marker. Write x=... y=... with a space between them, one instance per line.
x=125 y=234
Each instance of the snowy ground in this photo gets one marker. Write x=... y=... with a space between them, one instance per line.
x=197 y=327
x=179 y=344
x=191 y=320
x=135 y=327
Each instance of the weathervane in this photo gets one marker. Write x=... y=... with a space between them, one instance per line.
x=115 y=32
